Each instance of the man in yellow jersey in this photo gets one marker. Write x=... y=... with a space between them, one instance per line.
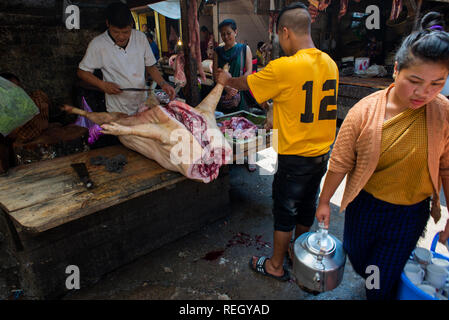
x=303 y=86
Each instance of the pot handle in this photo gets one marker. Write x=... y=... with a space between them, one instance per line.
x=323 y=237
x=323 y=242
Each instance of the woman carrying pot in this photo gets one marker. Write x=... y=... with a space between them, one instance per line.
x=393 y=146
x=239 y=58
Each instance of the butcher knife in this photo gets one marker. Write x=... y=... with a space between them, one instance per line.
x=135 y=89
x=83 y=174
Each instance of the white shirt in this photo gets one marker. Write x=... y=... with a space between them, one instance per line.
x=125 y=67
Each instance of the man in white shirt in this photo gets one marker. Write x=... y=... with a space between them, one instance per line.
x=123 y=54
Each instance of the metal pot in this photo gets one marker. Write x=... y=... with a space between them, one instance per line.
x=318 y=261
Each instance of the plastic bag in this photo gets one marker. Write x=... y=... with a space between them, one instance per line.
x=16 y=107
x=373 y=71
x=376 y=71
x=94 y=129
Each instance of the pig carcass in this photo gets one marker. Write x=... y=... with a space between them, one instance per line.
x=178 y=137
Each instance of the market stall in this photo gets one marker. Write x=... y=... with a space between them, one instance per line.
x=54 y=215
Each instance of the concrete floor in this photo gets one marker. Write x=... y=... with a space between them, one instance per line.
x=212 y=263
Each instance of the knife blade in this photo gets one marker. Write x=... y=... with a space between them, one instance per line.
x=135 y=89
x=83 y=174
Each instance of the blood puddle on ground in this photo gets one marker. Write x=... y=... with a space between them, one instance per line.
x=239 y=239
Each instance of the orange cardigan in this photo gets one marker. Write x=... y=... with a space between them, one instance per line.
x=357 y=147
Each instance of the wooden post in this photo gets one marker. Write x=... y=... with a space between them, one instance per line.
x=215 y=22
x=418 y=13
x=158 y=32
x=191 y=90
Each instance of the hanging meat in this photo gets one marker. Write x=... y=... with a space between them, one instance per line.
x=315 y=6
x=396 y=8
x=323 y=4
x=178 y=137
x=177 y=63
x=313 y=11
x=194 y=41
x=343 y=8
x=272 y=23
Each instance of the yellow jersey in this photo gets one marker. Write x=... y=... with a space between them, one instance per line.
x=304 y=90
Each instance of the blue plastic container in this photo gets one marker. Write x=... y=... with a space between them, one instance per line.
x=407 y=290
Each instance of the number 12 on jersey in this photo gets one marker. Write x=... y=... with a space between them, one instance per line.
x=324 y=113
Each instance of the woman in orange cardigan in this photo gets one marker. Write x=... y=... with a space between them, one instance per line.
x=393 y=146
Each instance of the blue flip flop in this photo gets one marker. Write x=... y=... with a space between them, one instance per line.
x=260 y=268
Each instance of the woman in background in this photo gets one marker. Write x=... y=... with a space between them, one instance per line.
x=239 y=58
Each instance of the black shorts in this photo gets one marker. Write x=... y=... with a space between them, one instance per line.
x=296 y=187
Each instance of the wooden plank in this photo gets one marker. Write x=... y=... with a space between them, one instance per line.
x=40 y=182
x=165 y=200
x=41 y=197
x=53 y=213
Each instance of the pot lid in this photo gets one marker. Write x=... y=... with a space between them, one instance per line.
x=319 y=244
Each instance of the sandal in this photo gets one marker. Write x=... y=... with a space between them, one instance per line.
x=260 y=268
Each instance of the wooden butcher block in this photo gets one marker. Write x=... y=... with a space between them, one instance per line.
x=43 y=195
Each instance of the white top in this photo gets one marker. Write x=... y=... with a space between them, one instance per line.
x=125 y=67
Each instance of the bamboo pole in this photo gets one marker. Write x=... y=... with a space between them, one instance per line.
x=418 y=13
